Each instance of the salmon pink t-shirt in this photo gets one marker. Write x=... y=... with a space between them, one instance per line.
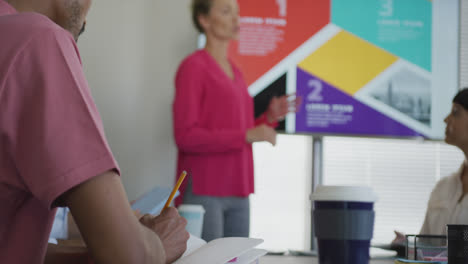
x=51 y=135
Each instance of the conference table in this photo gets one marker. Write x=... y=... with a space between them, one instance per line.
x=308 y=260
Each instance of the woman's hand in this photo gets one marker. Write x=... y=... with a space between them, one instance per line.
x=400 y=238
x=261 y=133
x=280 y=106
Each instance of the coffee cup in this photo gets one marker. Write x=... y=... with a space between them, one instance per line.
x=343 y=223
x=194 y=214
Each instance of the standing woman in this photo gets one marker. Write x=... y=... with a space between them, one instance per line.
x=214 y=124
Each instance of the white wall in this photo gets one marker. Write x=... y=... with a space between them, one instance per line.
x=130 y=52
x=463 y=43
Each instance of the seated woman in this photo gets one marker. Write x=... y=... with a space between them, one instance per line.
x=448 y=203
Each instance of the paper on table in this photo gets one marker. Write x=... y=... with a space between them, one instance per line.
x=222 y=250
x=193 y=243
x=376 y=253
x=406 y=261
x=250 y=256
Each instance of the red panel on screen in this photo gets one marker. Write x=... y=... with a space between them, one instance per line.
x=272 y=29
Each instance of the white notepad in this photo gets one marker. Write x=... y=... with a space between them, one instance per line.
x=221 y=251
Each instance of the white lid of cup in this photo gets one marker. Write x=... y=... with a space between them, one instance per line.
x=191 y=208
x=344 y=193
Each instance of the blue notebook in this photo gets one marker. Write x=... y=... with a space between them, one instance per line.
x=153 y=201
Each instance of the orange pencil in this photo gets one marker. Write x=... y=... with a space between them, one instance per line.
x=176 y=187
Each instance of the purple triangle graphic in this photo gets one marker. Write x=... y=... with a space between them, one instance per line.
x=326 y=109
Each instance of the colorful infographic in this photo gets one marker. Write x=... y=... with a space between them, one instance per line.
x=361 y=67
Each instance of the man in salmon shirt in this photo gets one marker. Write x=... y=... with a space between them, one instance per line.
x=53 y=151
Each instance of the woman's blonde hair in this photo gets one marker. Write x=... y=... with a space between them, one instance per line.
x=200 y=7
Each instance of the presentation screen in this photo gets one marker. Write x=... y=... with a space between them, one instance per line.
x=386 y=68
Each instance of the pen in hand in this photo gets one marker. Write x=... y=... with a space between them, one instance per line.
x=176 y=187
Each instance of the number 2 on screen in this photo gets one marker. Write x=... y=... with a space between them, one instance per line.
x=316 y=93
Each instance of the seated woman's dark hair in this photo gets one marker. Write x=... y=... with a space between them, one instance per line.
x=200 y=7
x=461 y=98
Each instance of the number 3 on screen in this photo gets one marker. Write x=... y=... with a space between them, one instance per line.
x=386 y=8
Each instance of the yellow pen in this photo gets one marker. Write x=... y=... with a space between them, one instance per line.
x=176 y=187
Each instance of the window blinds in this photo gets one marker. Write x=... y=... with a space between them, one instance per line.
x=401 y=172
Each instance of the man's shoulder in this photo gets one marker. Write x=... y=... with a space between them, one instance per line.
x=31 y=34
x=28 y=20
x=26 y=26
x=32 y=40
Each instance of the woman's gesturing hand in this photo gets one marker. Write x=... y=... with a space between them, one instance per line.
x=261 y=133
x=280 y=106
